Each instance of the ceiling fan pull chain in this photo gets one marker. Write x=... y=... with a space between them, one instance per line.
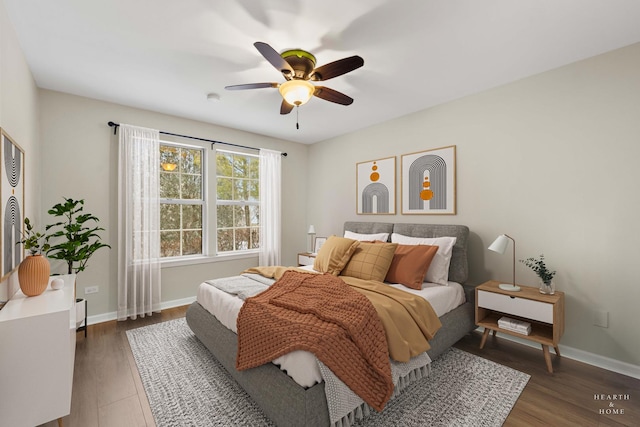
x=297 y=112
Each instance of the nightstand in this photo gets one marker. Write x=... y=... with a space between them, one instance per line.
x=544 y=312
x=306 y=258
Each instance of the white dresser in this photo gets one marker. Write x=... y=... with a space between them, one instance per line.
x=37 y=351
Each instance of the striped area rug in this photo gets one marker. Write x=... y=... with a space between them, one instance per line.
x=186 y=386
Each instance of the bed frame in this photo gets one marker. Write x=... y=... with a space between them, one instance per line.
x=283 y=400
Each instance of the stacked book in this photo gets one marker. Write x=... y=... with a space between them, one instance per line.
x=514 y=325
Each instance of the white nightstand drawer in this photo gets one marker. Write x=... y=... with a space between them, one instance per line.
x=522 y=307
x=306 y=259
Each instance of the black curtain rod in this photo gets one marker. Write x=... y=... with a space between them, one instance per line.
x=213 y=142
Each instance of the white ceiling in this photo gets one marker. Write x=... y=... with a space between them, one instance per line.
x=167 y=55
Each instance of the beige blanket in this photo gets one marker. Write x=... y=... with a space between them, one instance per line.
x=409 y=320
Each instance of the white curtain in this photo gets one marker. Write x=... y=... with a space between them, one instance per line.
x=270 y=212
x=138 y=222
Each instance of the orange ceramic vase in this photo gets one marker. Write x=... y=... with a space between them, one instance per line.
x=33 y=275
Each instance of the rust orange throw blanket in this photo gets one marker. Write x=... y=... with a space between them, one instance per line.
x=320 y=314
x=409 y=321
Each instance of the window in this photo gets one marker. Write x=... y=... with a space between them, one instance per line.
x=237 y=201
x=182 y=200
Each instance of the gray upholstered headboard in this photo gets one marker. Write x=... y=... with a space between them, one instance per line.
x=459 y=268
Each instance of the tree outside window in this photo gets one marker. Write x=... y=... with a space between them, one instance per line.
x=181 y=200
x=237 y=201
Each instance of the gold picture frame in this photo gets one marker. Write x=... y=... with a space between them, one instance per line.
x=11 y=204
x=376 y=187
x=429 y=182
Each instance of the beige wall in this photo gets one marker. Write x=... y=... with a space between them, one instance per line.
x=80 y=162
x=551 y=160
x=19 y=116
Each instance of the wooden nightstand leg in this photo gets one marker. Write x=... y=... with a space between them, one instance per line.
x=484 y=338
x=494 y=332
x=60 y=422
x=557 y=351
x=547 y=358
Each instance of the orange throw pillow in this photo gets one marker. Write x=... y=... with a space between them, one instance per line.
x=410 y=264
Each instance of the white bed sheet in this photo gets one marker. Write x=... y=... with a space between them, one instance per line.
x=301 y=365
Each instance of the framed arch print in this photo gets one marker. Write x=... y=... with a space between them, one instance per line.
x=429 y=182
x=12 y=204
x=376 y=187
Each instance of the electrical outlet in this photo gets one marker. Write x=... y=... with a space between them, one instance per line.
x=601 y=318
x=91 y=290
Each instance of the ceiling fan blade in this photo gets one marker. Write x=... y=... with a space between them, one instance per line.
x=285 y=107
x=337 y=68
x=332 y=95
x=251 y=86
x=274 y=58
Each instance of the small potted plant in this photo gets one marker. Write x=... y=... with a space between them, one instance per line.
x=539 y=267
x=33 y=272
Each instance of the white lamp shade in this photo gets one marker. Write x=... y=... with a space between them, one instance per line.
x=312 y=230
x=296 y=92
x=500 y=244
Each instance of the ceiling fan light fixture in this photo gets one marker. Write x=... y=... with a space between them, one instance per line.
x=296 y=92
x=298 y=67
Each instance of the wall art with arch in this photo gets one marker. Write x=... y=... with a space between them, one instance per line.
x=376 y=187
x=12 y=204
x=429 y=182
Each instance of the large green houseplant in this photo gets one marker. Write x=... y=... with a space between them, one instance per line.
x=76 y=235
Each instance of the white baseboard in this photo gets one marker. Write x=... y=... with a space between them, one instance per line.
x=106 y=317
x=569 y=352
x=586 y=357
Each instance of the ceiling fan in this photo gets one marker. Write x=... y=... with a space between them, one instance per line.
x=298 y=68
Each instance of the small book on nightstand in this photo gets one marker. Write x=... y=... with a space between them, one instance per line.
x=514 y=325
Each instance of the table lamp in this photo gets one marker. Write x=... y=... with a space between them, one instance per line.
x=500 y=246
x=312 y=235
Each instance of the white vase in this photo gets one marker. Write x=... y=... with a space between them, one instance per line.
x=547 y=288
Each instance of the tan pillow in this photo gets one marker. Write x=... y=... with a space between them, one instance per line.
x=410 y=264
x=370 y=261
x=334 y=255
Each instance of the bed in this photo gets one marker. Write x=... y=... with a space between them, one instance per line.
x=282 y=399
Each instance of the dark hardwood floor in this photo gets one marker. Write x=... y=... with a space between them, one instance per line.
x=566 y=397
x=107 y=390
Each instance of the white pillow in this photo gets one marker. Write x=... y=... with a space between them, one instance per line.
x=383 y=237
x=438 y=271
